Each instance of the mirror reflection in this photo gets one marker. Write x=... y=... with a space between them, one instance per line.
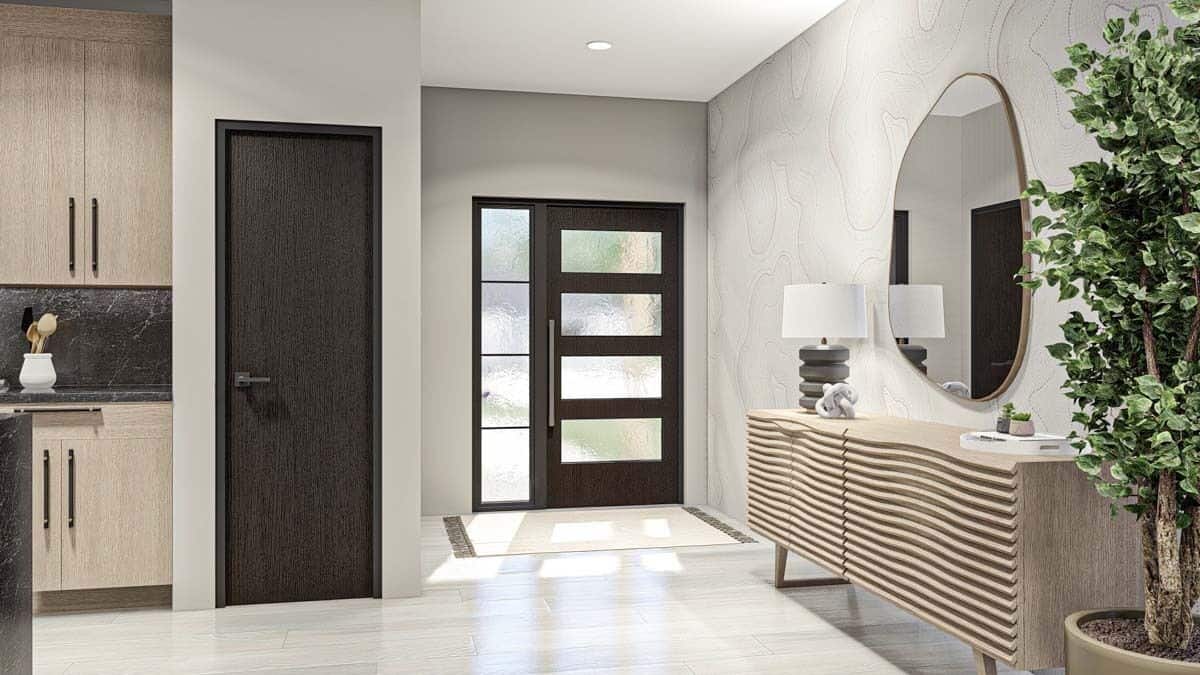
x=956 y=310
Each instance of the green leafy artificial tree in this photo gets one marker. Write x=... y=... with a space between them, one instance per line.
x=1125 y=239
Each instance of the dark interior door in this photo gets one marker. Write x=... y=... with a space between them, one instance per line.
x=613 y=282
x=996 y=241
x=899 y=269
x=300 y=229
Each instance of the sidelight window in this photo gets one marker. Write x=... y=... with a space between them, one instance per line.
x=504 y=349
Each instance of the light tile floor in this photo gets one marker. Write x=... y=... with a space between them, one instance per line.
x=686 y=610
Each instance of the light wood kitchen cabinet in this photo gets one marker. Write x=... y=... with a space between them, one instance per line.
x=47 y=509
x=104 y=472
x=41 y=159
x=117 y=519
x=128 y=164
x=85 y=102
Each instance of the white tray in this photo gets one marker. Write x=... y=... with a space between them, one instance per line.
x=1007 y=444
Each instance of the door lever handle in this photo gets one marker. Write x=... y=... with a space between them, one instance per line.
x=243 y=379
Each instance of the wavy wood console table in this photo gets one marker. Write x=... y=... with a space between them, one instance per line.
x=994 y=549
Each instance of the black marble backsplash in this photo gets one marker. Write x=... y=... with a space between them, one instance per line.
x=106 y=336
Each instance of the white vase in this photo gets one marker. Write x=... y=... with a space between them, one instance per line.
x=37 y=373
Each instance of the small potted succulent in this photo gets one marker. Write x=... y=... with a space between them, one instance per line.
x=1020 y=424
x=1003 y=421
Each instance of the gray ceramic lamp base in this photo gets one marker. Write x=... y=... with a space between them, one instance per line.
x=821 y=365
x=916 y=354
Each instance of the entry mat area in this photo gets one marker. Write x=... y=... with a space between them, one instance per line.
x=563 y=530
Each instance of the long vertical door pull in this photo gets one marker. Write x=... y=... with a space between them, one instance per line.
x=45 y=489
x=95 y=234
x=550 y=370
x=71 y=488
x=71 y=234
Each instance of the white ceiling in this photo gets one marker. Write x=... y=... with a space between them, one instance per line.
x=670 y=49
x=965 y=96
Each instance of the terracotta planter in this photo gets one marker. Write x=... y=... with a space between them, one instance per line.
x=1089 y=656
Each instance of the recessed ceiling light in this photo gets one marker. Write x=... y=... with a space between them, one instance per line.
x=599 y=45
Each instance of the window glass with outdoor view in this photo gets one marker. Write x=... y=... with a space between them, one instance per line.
x=504 y=360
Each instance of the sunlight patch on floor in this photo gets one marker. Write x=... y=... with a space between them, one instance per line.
x=583 y=530
x=580 y=566
x=565 y=533
x=465 y=569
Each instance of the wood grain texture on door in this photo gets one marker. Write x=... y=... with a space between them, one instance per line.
x=128 y=165
x=619 y=482
x=41 y=159
x=996 y=243
x=299 y=301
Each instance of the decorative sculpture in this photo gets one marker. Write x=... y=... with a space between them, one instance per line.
x=838 y=401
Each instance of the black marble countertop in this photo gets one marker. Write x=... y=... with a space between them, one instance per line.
x=142 y=393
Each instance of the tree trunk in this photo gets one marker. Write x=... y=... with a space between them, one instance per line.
x=1168 y=602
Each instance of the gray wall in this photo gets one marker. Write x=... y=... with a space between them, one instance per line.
x=486 y=143
x=279 y=60
x=803 y=157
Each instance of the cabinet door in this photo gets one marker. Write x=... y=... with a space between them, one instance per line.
x=128 y=153
x=47 y=509
x=117 y=524
x=41 y=160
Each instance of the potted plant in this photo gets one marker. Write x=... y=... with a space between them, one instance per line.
x=1021 y=424
x=1003 y=421
x=1125 y=241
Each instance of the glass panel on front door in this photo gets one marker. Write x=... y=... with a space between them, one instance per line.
x=577 y=346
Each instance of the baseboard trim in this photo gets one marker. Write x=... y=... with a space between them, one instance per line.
x=97 y=599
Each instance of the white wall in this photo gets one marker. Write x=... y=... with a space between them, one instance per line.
x=350 y=62
x=804 y=151
x=485 y=143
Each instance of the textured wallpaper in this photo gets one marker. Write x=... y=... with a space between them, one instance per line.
x=804 y=151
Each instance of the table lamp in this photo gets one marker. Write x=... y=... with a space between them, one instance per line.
x=917 y=311
x=823 y=311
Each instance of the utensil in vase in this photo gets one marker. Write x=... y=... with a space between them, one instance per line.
x=33 y=336
x=46 y=326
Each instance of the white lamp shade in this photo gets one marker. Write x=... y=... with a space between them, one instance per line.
x=917 y=311
x=825 y=311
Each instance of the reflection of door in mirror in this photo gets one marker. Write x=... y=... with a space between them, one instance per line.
x=957 y=234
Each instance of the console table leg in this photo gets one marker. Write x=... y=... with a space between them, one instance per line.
x=984 y=664
x=781 y=554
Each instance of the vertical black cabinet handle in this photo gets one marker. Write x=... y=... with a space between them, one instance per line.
x=45 y=489
x=70 y=488
x=95 y=234
x=71 y=233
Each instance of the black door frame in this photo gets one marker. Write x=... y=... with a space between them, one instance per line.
x=538 y=340
x=224 y=128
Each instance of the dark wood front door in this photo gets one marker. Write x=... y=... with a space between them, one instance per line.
x=297 y=372
x=578 y=370
x=614 y=298
x=996 y=299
